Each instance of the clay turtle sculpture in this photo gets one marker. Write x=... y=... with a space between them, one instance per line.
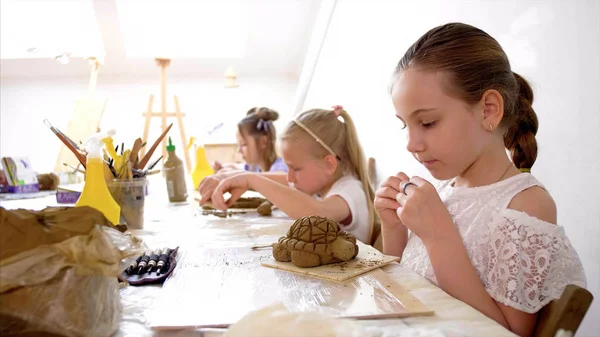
x=313 y=241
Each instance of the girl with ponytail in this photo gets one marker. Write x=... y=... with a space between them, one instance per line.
x=326 y=176
x=487 y=234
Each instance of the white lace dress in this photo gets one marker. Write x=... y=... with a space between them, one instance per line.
x=523 y=262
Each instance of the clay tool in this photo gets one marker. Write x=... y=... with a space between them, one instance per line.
x=154 y=260
x=137 y=146
x=133 y=265
x=149 y=173
x=146 y=158
x=144 y=262
x=129 y=172
x=257 y=247
x=121 y=165
x=68 y=143
x=163 y=260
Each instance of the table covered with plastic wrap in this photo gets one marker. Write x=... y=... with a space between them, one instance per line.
x=213 y=249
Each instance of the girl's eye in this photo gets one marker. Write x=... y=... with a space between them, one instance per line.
x=403 y=126
x=428 y=125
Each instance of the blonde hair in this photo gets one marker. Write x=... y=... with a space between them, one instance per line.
x=329 y=133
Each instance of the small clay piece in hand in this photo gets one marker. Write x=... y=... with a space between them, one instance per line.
x=253 y=202
x=313 y=241
x=265 y=208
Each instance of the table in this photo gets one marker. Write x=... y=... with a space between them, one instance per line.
x=180 y=224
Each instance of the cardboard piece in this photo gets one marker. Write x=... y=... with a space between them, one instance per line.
x=368 y=259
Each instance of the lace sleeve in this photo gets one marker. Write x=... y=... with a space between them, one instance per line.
x=530 y=261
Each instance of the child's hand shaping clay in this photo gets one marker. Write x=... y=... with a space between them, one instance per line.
x=385 y=199
x=207 y=187
x=235 y=185
x=422 y=210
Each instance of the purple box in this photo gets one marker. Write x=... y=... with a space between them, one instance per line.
x=31 y=188
x=67 y=197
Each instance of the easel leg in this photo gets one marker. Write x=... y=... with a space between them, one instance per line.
x=188 y=162
x=148 y=115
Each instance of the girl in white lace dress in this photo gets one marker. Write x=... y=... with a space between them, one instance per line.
x=487 y=235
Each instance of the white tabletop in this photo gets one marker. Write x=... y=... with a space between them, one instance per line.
x=181 y=224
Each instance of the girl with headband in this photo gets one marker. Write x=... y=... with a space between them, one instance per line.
x=327 y=174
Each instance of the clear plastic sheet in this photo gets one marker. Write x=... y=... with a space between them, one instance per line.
x=179 y=225
x=223 y=285
x=67 y=284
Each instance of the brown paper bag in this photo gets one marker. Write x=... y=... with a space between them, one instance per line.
x=58 y=272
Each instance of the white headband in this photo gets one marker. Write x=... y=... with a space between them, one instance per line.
x=325 y=146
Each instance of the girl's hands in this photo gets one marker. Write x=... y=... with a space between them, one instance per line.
x=236 y=186
x=422 y=211
x=207 y=187
x=385 y=200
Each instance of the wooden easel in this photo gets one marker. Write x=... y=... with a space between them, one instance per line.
x=163 y=114
x=84 y=121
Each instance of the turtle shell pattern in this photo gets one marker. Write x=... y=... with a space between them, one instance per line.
x=311 y=234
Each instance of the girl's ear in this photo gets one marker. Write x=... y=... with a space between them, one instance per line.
x=331 y=164
x=493 y=109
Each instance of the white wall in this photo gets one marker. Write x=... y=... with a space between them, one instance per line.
x=25 y=103
x=554 y=44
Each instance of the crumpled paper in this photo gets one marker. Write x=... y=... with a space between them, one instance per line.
x=59 y=269
x=277 y=320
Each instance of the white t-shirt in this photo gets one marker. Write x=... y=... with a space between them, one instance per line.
x=351 y=190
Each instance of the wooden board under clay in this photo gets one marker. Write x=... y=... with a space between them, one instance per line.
x=368 y=259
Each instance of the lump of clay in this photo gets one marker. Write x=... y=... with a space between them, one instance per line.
x=252 y=202
x=313 y=241
x=265 y=209
x=48 y=181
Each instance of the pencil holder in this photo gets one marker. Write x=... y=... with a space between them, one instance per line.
x=130 y=195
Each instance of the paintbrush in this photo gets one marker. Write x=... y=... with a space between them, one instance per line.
x=75 y=169
x=68 y=143
x=146 y=158
x=57 y=131
x=154 y=163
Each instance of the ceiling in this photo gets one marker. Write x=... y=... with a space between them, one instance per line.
x=201 y=37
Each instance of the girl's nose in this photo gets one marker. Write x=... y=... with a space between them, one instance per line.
x=414 y=142
x=291 y=176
